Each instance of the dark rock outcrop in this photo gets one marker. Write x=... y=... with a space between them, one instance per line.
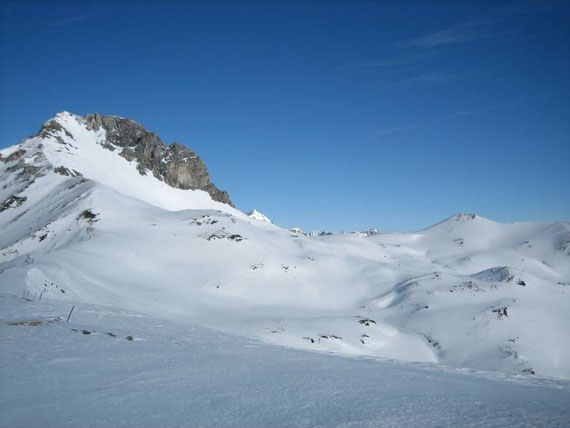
x=13 y=201
x=14 y=156
x=175 y=164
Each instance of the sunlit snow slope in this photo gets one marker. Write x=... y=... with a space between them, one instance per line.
x=110 y=367
x=79 y=223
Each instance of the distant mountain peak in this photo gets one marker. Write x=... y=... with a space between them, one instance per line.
x=463 y=217
x=460 y=219
x=257 y=215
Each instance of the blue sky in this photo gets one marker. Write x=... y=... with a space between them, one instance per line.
x=329 y=115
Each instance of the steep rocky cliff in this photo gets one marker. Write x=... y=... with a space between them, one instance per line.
x=175 y=164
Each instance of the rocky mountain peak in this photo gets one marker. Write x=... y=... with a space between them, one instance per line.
x=175 y=164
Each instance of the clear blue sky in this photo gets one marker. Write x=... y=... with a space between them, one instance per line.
x=322 y=114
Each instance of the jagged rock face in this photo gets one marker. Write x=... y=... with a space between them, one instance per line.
x=176 y=164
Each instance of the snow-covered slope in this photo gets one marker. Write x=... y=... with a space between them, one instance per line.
x=79 y=223
x=88 y=373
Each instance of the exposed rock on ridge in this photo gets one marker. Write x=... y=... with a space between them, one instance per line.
x=175 y=164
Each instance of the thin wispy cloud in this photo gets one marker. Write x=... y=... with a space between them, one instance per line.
x=444 y=77
x=387 y=63
x=416 y=78
x=456 y=34
x=383 y=132
x=411 y=61
x=379 y=133
x=502 y=104
x=74 y=19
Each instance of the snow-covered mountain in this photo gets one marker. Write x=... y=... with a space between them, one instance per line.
x=256 y=215
x=97 y=210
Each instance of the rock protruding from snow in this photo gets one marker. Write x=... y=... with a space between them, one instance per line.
x=175 y=164
x=256 y=215
x=458 y=219
x=464 y=217
x=316 y=233
x=297 y=231
x=498 y=273
x=369 y=232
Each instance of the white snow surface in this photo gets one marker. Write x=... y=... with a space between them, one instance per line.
x=465 y=293
x=174 y=375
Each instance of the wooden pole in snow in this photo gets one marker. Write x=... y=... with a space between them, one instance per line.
x=70 y=313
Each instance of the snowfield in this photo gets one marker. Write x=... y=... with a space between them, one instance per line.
x=206 y=290
x=86 y=372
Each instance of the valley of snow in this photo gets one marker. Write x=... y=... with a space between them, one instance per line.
x=79 y=225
